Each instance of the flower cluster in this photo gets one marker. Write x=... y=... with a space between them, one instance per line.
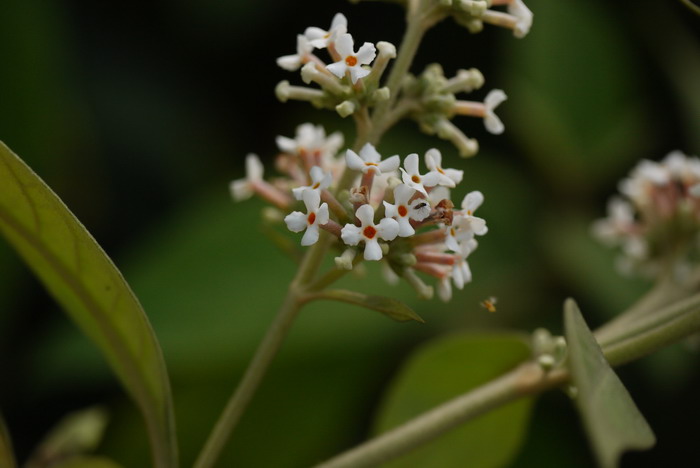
x=392 y=210
x=472 y=14
x=658 y=221
x=350 y=84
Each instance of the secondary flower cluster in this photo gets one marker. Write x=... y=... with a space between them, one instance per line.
x=350 y=84
x=657 y=222
x=389 y=209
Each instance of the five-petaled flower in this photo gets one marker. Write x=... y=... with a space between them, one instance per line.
x=370 y=233
x=319 y=180
x=320 y=38
x=446 y=177
x=413 y=178
x=350 y=60
x=403 y=210
x=316 y=216
x=370 y=160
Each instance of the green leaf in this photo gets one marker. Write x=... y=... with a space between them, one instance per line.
x=612 y=420
x=81 y=277
x=392 y=308
x=7 y=458
x=77 y=433
x=448 y=367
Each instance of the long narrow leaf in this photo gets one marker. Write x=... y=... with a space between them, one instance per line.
x=7 y=458
x=612 y=420
x=83 y=279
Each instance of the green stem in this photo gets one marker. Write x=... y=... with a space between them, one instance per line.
x=667 y=326
x=250 y=382
x=415 y=30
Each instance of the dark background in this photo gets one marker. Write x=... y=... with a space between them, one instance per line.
x=138 y=114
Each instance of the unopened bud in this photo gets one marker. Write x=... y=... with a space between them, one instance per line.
x=345 y=108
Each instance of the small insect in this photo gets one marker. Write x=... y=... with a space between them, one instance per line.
x=420 y=205
x=489 y=304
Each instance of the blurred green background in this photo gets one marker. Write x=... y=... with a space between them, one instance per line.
x=138 y=114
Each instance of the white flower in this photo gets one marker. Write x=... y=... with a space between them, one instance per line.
x=370 y=160
x=491 y=121
x=368 y=232
x=294 y=62
x=461 y=273
x=447 y=177
x=412 y=177
x=320 y=39
x=642 y=179
x=316 y=215
x=311 y=142
x=619 y=221
x=242 y=189
x=464 y=224
x=319 y=180
x=351 y=61
x=403 y=211
x=518 y=9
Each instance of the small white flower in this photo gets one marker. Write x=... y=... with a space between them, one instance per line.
x=444 y=289
x=295 y=61
x=518 y=9
x=311 y=141
x=316 y=215
x=370 y=160
x=242 y=189
x=413 y=178
x=619 y=221
x=368 y=232
x=447 y=177
x=351 y=61
x=403 y=211
x=464 y=224
x=491 y=121
x=319 y=180
x=320 y=38
x=461 y=273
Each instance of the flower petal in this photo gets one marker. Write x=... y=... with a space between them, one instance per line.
x=351 y=234
x=365 y=214
x=390 y=164
x=366 y=53
x=372 y=250
x=253 y=167
x=388 y=229
x=296 y=221
x=403 y=193
x=472 y=201
x=310 y=236
x=344 y=45
x=369 y=153
x=357 y=72
x=337 y=68
x=354 y=161
x=311 y=199
x=322 y=215
x=411 y=163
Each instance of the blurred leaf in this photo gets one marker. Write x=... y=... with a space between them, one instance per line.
x=392 y=308
x=7 y=458
x=93 y=292
x=75 y=434
x=88 y=462
x=612 y=420
x=446 y=368
x=579 y=83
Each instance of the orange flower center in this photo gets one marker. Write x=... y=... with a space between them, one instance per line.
x=316 y=185
x=416 y=179
x=351 y=60
x=312 y=218
x=369 y=232
x=402 y=211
